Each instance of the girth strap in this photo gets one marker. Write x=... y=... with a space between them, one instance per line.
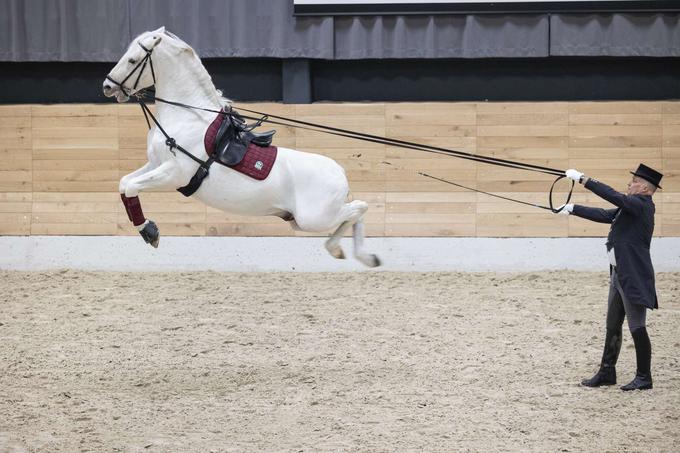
x=197 y=179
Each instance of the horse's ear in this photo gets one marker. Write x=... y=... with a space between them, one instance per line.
x=155 y=40
x=156 y=36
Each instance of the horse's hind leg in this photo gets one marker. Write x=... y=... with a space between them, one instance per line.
x=333 y=243
x=368 y=259
x=350 y=214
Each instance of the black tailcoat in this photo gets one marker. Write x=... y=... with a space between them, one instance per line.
x=630 y=235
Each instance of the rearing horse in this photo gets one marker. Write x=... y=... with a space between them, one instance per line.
x=308 y=190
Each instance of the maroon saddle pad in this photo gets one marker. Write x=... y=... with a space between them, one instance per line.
x=257 y=162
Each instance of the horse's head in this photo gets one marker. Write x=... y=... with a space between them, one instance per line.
x=134 y=71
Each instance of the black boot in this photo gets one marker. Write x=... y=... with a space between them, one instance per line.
x=607 y=373
x=643 y=355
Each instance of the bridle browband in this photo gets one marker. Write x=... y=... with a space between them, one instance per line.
x=142 y=63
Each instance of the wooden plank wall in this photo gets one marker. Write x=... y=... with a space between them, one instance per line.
x=60 y=166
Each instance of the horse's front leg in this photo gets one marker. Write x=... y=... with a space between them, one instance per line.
x=132 y=205
x=140 y=171
x=167 y=175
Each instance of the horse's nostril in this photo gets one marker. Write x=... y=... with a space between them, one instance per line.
x=107 y=87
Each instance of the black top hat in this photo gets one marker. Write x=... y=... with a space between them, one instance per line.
x=648 y=174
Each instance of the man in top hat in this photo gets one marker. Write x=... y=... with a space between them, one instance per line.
x=631 y=290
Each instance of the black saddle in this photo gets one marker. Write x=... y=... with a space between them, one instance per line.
x=235 y=135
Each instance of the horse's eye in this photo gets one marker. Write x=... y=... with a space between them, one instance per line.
x=132 y=61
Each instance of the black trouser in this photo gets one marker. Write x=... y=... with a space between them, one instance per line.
x=619 y=308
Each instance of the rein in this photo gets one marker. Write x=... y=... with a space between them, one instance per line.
x=204 y=166
x=290 y=122
x=433 y=149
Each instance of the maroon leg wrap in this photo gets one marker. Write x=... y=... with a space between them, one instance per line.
x=125 y=203
x=134 y=209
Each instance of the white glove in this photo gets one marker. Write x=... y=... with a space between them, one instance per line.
x=574 y=175
x=566 y=209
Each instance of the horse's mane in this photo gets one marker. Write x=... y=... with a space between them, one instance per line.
x=202 y=75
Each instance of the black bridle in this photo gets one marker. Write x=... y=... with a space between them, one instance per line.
x=142 y=63
x=147 y=113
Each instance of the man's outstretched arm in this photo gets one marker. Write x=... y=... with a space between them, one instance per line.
x=595 y=214
x=630 y=203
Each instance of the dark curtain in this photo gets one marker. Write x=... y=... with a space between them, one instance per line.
x=100 y=30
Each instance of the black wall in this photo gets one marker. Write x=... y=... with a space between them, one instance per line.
x=535 y=79
x=48 y=83
x=531 y=79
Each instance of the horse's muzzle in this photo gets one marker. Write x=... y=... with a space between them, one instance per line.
x=111 y=90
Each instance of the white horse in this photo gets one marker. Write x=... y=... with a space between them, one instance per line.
x=308 y=190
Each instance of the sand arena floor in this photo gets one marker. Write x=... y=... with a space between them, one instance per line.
x=370 y=361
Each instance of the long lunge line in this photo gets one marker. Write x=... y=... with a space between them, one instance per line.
x=299 y=124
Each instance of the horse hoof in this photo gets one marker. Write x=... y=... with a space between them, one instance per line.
x=150 y=234
x=336 y=252
x=370 y=260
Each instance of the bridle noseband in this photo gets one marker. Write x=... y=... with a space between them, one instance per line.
x=142 y=63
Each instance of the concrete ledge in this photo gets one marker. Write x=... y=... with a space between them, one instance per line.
x=247 y=254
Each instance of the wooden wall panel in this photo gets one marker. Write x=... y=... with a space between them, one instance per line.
x=60 y=166
x=75 y=149
x=132 y=130
x=15 y=149
x=15 y=213
x=87 y=213
x=670 y=218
